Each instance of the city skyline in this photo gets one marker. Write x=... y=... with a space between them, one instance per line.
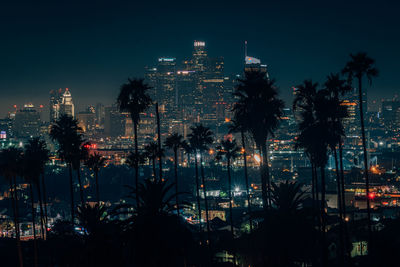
x=107 y=55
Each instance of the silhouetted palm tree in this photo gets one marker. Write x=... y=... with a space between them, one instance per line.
x=190 y=149
x=152 y=152
x=358 y=67
x=134 y=98
x=237 y=127
x=230 y=151
x=91 y=217
x=10 y=167
x=314 y=139
x=260 y=110
x=66 y=132
x=287 y=197
x=175 y=142
x=36 y=156
x=160 y=155
x=95 y=162
x=200 y=138
x=134 y=160
x=159 y=237
x=79 y=156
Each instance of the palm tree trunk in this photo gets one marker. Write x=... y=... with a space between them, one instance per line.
x=198 y=190
x=346 y=232
x=230 y=209
x=365 y=157
x=265 y=181
x=33 y=225
x=317 y=198
x=176 y=180
x=96 y=176
x=340 y=205
x=246 y=177
x=135 y=132
x=78 y=172
x=44 y=201
x=42 y=229
x=71 y=184
x=159 y=141
x=14 y=196
x=205 y=194
x=323 y=219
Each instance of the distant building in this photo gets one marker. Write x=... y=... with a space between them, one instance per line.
x=67 y=105
x=27 y=122
x=61 y=103
x=114 y=122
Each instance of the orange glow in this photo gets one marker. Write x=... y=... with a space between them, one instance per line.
x=211 y=151
x=227 y=119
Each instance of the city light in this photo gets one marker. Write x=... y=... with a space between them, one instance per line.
x=257 y=158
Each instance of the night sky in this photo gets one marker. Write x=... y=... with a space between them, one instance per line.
x=92 y=48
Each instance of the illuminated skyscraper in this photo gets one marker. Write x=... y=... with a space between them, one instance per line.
x=27 y=122
x=55 y=101
x=67 y=105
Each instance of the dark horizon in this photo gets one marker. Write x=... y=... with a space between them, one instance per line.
x=93 y=48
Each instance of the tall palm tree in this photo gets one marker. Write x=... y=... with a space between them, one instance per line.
x=152 y=152
x=10 y=167
x=313 y=138
x=134 y=98
x=80 y=155
x=95 y=162
x=175 y=142
x=134 y=160
x=358 y=67
x=229 y=150
x=200 y=138
x=36 y=156
x=260 y=109
x=66 y=132
x=190 y=149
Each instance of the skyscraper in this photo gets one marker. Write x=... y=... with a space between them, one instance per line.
x=55 y=101
x=27 y=122
x=67 y=106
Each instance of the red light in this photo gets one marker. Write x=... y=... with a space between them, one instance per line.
x=371 y=195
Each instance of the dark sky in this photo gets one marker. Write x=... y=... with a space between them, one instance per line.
x=94 y=46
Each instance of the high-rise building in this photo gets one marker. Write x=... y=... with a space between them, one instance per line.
x=27 y=122
x=67 y=105
x=390 y=113
x=55 y=101
x=114 y=122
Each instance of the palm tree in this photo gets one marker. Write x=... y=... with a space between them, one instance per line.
x=152 y=152
x=134 y=160
x=134 y=98
x=230 y=151
x=314 y=139
x=10 y=167
x=190 y=149
x=159 y=141
x=175 y=142
x=260 y=110
x=158 y=236
x=80 y=155
x=287 y=197
x=66 y=132
x=91 y=217
x=200 y=138
x=36 y=156
x=237 y=127
x=358 y=67
x=95 y=162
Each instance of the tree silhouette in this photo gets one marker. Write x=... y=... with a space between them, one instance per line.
x=66 y=132
x=175 y=142
x=152 y=152
x=10 y=167
x=200 y=138
x=358 y=67
x=134 y=98
x=229 y=150
x=134 y=160
x=95 y=162
x=259 y=110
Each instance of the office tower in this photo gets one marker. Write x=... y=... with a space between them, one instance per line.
x=67 y=105
x=390 y=113
x=87 y=120
x=55 y=101
x=27 y=122
x=100 y=114
x=165 y=84
x=114 y=122
x=6 y=128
